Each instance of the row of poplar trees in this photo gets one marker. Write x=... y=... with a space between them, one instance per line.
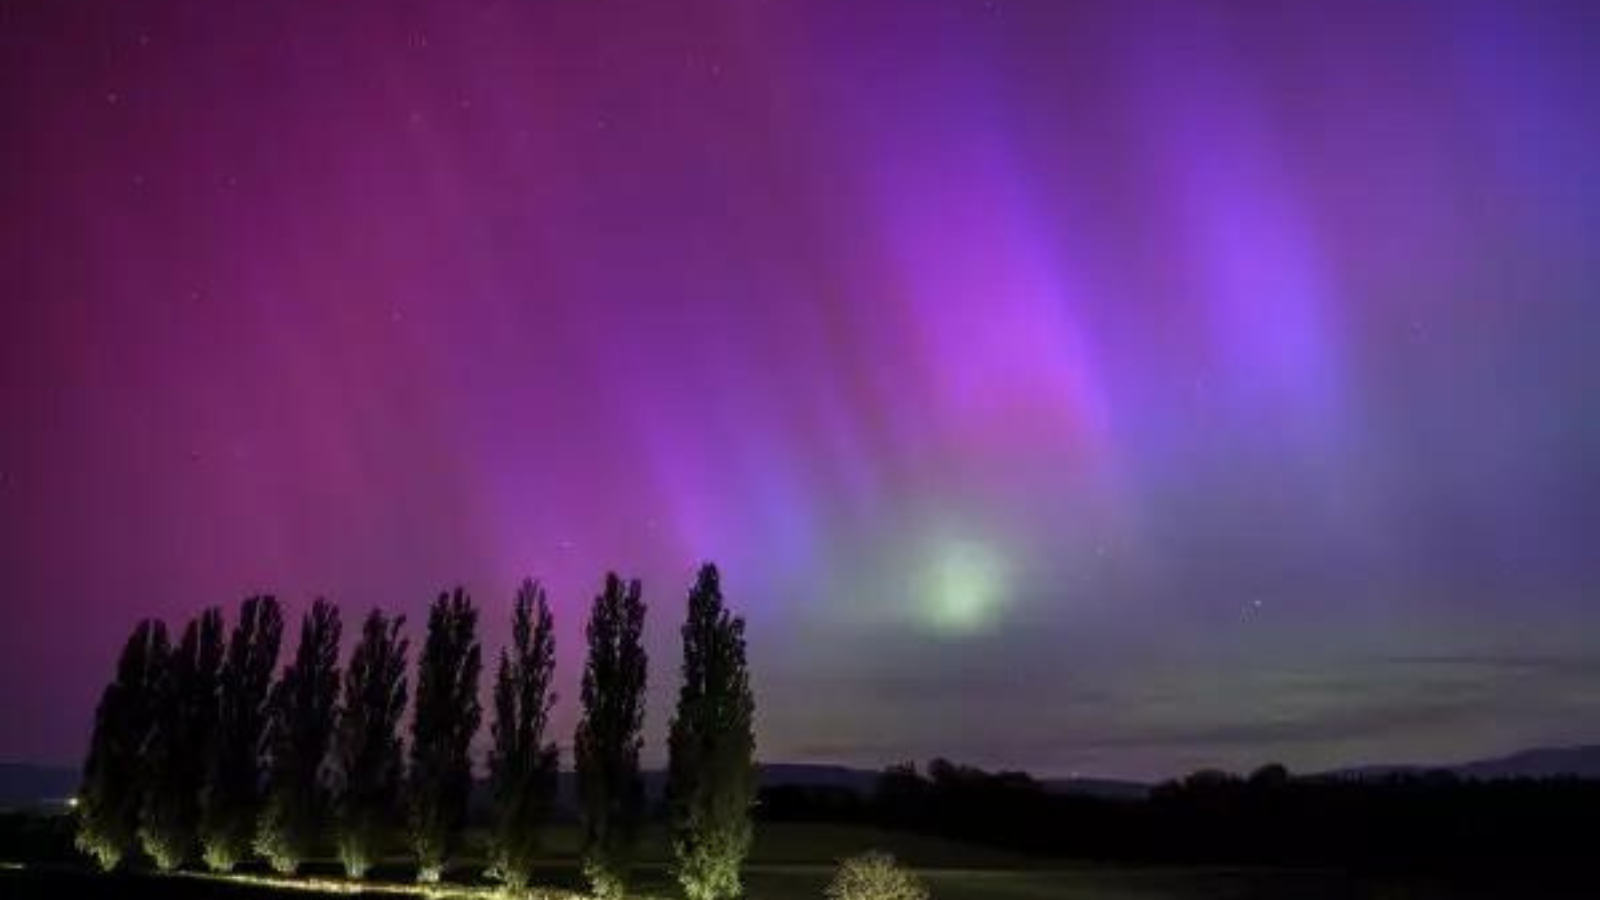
x=198 y=751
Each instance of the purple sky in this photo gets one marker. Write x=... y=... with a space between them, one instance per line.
x=1112 y=387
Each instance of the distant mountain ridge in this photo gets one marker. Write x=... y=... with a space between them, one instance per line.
x=27 y=785
x=1539 y=762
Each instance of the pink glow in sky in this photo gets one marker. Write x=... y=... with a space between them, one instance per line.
x=1122 y=387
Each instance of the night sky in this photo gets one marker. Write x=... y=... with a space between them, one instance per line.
x=1112 y=387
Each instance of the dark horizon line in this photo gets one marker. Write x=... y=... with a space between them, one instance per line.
x=864 y=769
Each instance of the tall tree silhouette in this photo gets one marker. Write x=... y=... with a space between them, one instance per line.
x=447 y=717
x=231 y=798
x=711 y=745
x=607 y=743
x=522 y=765
x=300 y=730
x=185 y=724
x=114 y=771
x=368 y=765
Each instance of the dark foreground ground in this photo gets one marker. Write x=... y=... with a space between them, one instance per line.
x=795 y=862
x=796 y=882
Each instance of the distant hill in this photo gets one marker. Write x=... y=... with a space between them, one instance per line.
x=864 y=781
x=23 y=785
x=1543 y=762
x=814 y=775
x=1578 y=762
x=1106 y=788
x=770 y=775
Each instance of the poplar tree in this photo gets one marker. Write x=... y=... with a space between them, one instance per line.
x=367 y=760
x=184 y=726
x=230 y=800
x=114 y=771
x=522 y=764
x=294 y=816
x=711 y=746
x=607 y=744
x=447 y=717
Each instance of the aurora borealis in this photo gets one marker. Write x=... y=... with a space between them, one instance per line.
x=1074 y=386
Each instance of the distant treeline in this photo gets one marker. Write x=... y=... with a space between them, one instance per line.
x=205 y=750
x=1407 y=821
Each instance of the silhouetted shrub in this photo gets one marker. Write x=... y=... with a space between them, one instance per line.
x=875 y=876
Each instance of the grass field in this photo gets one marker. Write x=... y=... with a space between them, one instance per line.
x=795 y=862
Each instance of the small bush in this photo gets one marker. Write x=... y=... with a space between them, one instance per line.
x=875 y=876
x=106 y=852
